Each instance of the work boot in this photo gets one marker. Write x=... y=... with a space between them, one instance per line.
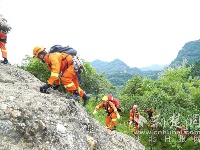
x=114 y=128
x=135 y=134
x=5 y=61
x=76 y=95
x=69 y=97
x=85 y=99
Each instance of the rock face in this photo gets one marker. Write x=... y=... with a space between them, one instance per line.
x=31 y=120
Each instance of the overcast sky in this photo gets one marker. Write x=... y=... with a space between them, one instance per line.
x=138 y=32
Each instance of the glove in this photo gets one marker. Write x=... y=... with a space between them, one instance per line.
x=118 y=116
x=94 y=112
x=119 y=110
x=130 y=123
x=55 y=87
x=43 y=89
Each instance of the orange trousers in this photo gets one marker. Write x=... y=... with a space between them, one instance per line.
x=70 y=81
x=3 y=36
x=111 y=120
x=135 y=127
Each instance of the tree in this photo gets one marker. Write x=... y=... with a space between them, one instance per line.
x=35 y=67
x=173 y=94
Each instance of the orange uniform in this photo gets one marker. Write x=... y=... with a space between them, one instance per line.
x=134 y=117
x=3 y=38
x=62 y=64
x=181 y=130
x=150 y=114
x=112 y=113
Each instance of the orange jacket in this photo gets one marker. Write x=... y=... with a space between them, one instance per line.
x=58 y=63
x=3 y=39
x=134 y=115
x=3 y=36
x=109 y=106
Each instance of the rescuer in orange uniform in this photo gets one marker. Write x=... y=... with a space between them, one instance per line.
x=112 y=113
x=150 y=114
x=60 y=64
x=134 y=119
x=3 y=40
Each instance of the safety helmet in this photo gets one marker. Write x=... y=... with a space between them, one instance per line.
x=105 y=98
x=135 y=107
x=149 y=109
x=37 y=50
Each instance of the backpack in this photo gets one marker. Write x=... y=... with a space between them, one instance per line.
x=4 y=26
x=115 y=102
x=65 y=49
x=78 y=64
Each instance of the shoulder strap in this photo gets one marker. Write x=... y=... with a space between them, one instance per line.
x=3 y=40
x=133 y=112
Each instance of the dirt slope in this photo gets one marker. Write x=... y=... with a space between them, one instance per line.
x=31 y=120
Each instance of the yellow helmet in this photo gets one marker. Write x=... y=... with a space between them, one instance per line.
x=105 y=98
x=37 y=50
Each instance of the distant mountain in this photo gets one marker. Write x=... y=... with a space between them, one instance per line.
x=154 y=67
x=190 y=53
x=115 y=66
x=118 y=73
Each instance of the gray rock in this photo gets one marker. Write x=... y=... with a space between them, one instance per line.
x=31 y=120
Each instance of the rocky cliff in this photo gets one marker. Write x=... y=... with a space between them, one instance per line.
x=31 y=120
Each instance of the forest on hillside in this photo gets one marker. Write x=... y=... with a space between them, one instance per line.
x=189 y=54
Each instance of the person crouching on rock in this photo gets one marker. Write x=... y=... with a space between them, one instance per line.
x=61 y=63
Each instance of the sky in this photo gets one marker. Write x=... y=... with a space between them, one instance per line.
x=138 y=32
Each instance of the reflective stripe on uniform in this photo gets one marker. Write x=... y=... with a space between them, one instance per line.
x=54 y=74
x=114 y=119
x=69 y=85
x=4 y=50
x=79 y=89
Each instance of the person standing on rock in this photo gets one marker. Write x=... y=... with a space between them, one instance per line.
x=62 y=68
x=112 y=113
x=3 y=40
x=4 y=30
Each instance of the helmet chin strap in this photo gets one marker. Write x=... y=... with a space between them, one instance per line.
x=43 y=58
